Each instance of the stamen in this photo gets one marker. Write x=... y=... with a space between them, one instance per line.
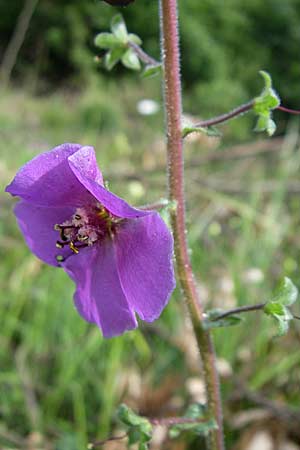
x=62 y=235
x=59 y=258
x=58 y=227
x=83 y=238
x=103 y=213
x=86 y=227
x=73 y=248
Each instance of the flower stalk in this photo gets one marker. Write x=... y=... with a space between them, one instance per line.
x=173 y=106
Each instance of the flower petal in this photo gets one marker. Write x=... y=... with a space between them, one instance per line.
x=144 y=249
x=116 y=205
x=37 y=225
x=47 y=179
x=99 y=297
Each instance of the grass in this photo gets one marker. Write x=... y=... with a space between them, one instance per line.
x=60 y=381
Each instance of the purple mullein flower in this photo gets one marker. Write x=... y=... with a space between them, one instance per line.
x=120 y=257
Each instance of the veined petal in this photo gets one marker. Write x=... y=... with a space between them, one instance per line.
x=144 y=249
x=99 y=297
x=47 y=180
x=37 y=225
x=116 y=205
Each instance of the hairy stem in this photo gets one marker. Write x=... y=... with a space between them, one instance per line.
x=172 y=93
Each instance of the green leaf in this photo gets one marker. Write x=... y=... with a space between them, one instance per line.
x=281 y=314
x=131 y=60
x=135 y=39
x=268 y=99
x=286 y=293
x=209 y=131
x=113 y=57
x=228 y=321
x=151 y=70
x=265 y=123
x=107 y=41
x=195 y=411
x=134 y=436
x=119 y=29
x=267 y=78
x=264 y=104
x=130 y=418
x=272 y=308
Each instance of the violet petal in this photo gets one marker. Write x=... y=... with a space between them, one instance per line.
x=144 y=249
x=99 y=297
x=37 y=225
x=116 y=205
x=47 y=180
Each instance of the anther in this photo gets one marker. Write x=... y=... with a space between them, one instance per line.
x=73 y=248
x=59 y=244
x=102 y=212
x=59 y=258
x=77 y=216
x=83 y=238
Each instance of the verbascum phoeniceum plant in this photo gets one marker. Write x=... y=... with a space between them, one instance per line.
x=121 y=257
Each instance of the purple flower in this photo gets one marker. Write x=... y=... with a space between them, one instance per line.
x=120 y=257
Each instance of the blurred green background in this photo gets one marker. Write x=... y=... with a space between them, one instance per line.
x=60 y=381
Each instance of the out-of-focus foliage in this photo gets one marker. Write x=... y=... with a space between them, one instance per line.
x=219 y=41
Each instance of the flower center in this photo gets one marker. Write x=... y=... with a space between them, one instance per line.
x=86 y=227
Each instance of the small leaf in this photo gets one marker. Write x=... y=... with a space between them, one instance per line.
x=131 y=60
x=130 y=418
x=228 y=321
x=264 y=104
x=271 y=127
x=209 y=131
x=286 y=293
x=106 y=41
x=281 y=314
x=265 y=123
x=134 y=435
x=268 y=80
x=113 y=57
x=268 y=99
x=151 y=70
x=195 y=411
x=135 y=39
x=119 y=29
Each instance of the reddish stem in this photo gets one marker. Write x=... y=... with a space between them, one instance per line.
x=173 y=106
x=288 y=110
x=224 y=117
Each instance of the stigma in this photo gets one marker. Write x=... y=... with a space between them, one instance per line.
x=87 y=226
